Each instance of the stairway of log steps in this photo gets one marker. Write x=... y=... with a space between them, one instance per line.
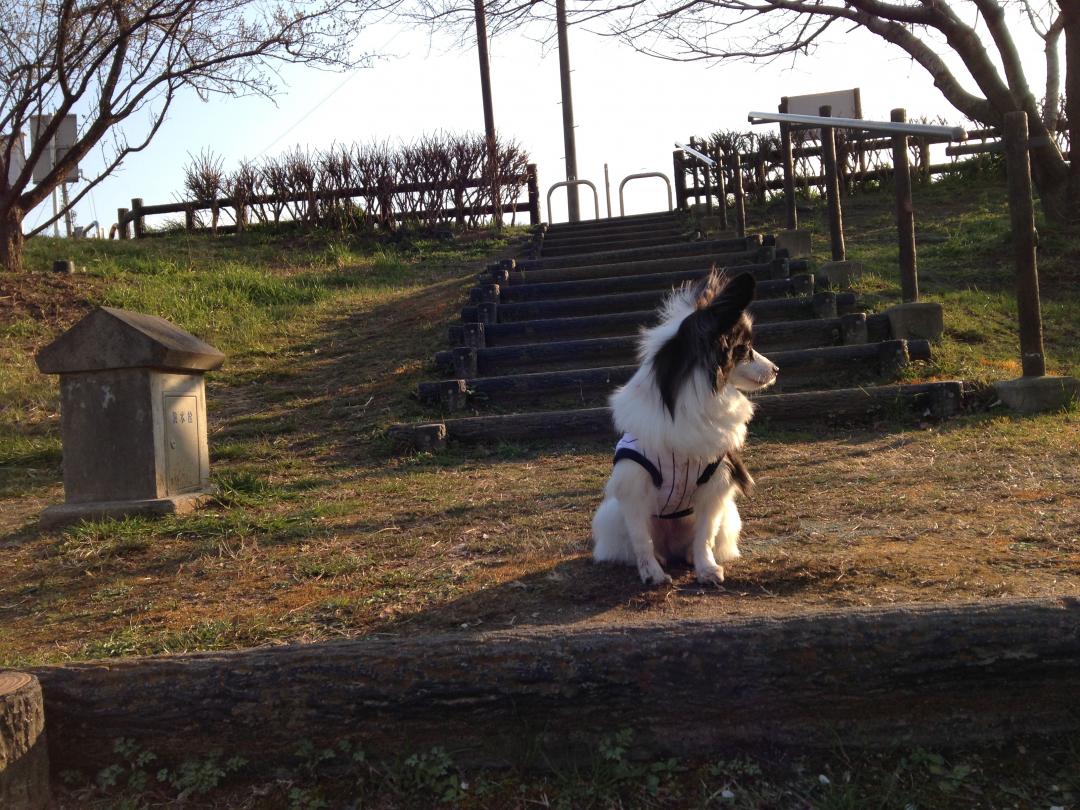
x=544 y=339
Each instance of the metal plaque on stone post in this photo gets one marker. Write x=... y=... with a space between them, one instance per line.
x=133 y=416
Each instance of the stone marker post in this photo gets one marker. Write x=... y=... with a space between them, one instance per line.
x=132 y=414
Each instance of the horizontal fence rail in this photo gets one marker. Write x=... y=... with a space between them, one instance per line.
x=944 y=133
x=135 y=216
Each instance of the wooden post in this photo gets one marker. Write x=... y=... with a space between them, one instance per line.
x=189 y=218
x=679 y=172
x=905 y=213
x=789 y=170
x=760 y=177
x=123 y=222
x=708 y=174
x=740 y=198
x=832 y=187
x=138 y=218
x=24 y=757
x=1024 y=237
x=534 y=194
x=693 y=173
x=721 y=189
x=924 y=160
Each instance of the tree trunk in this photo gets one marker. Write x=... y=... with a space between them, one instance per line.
x=1072 y=103
x=11 y=239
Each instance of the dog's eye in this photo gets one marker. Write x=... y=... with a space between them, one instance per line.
x=739 y=353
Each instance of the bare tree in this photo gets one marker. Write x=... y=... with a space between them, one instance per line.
x=112 y=60
x=993 y=82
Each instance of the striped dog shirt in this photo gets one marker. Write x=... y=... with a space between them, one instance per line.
x=676 y=478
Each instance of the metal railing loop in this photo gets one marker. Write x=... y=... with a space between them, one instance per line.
x=629 y=177
x=596 y=196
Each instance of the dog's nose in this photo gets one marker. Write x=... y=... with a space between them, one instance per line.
x=775 y=368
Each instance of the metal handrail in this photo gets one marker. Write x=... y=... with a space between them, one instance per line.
x=888 y=127
x=629 y=177
x=596 y=197
x=708 y=161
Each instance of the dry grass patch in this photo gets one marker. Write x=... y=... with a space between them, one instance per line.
x=962 y=512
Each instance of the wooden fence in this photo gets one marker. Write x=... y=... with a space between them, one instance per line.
x=132 y=221
x=762 y=172
x=1013 y=142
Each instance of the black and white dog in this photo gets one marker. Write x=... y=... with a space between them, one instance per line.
x=683 y=417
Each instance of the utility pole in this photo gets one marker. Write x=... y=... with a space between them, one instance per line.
x=567 y=113
x=485 y=72
x=56 y=215
x=489 y=109
x=68 y=224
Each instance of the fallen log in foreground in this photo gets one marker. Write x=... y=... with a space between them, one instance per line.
x=924 y=675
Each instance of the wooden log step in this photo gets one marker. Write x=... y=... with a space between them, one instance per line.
x=941 y=399
x=572 y=247
x=515 y=277
x=530 y=696
x=675 y=230
x=797 y=368
x=591 y=352
x=776 y=269
x=632 y=220
x=492 y=312
x=680 y=233
x=820 y=305
x=700 y=248
x=24 y=756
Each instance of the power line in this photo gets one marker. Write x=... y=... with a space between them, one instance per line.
x=306 y=115
x=352 y=75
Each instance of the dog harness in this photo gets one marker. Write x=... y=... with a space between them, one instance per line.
x=676 y=477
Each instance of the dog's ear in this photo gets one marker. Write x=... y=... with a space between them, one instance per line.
x=728 y=306
x=708 y=287
x=697 y=342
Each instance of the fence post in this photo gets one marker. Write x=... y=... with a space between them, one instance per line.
x=789 y=170
x=138 y=218
x=123 y=224
x=708 y=175
x=760 y=173
x=832 y=187
x=740 y=198
x=189 y=218
x=721 y=189
x=1024 y=237
x=694 y=172
x=534 y=194
x=680 y=179
x=924 y=160
x=905 y=212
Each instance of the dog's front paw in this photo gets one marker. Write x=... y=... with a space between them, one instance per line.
x=711 y=575
x=651 y=572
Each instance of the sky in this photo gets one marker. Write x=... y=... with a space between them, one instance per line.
x=630 y=109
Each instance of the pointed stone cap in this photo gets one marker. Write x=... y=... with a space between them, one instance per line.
x=111 y=338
